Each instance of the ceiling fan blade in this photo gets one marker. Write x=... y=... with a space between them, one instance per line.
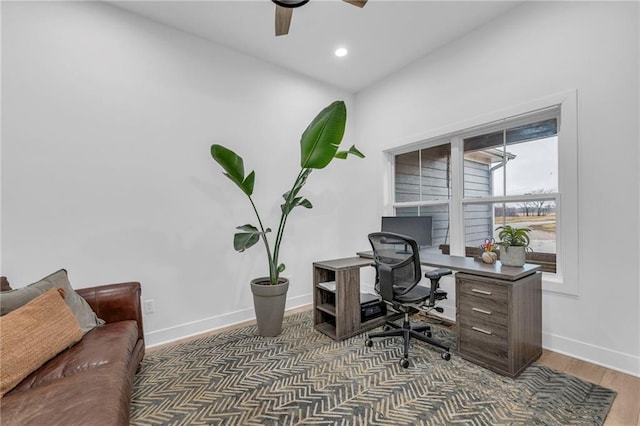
x=359 y=3
x=283 y=20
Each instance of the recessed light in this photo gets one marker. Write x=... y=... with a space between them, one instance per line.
x=341 y=51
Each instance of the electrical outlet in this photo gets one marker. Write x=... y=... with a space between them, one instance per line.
x=149 y=306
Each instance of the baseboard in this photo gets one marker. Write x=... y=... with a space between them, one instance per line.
x=614 y=360
x=186 y=330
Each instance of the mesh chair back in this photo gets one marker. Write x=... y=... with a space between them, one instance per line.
x=397 y=263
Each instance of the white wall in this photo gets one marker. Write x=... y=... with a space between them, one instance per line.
x=107 y=123
x=108 y=118
x=534 y=51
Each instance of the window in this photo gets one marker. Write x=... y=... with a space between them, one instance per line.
x=517 y=169
x=422 y=183
x=501 y=172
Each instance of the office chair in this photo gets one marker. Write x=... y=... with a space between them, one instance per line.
x=398 y=273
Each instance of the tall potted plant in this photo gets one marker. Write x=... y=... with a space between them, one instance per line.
x=318 y=147
x=513 y=245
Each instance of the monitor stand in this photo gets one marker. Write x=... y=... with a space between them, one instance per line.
x=405 y=251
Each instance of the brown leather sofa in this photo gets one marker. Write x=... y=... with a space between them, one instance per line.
x=89 y=383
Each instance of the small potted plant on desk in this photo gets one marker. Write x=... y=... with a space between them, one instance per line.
x=318 y=147
x=513 y=243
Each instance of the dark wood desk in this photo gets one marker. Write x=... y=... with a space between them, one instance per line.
x=498 y=311
x=471 y=266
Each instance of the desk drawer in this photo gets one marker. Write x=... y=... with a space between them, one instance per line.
x=483 y=309
x=485 y=342
x=482 y=287
x=479 y=287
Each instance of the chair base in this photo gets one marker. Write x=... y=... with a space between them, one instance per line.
x=407 y=332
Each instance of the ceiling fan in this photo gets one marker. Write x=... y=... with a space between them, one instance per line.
x=284 y=11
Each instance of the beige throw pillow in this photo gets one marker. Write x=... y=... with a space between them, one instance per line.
x=33 y=334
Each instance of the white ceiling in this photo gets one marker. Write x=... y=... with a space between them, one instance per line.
x=382 y=37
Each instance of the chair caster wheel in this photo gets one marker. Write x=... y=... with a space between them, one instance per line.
x=404 y=363
x=386 y=328
x=446 y=356
x=368 y=343
x=427 y=333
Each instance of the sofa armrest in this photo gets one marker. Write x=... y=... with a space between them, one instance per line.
x=115 y=302
x=4 y=284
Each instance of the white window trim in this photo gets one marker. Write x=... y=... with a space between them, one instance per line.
x=566 y=279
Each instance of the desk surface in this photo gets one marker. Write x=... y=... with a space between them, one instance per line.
x=471 y=266
x=345 y=263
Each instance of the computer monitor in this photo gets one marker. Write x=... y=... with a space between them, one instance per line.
x=416 y=227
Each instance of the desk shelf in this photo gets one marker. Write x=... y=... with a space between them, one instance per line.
x=337 y=313
x=326 y=328
x=328 y=308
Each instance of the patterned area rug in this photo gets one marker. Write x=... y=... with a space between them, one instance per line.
x=304 y=377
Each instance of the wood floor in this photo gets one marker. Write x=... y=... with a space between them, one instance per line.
x=626 y=407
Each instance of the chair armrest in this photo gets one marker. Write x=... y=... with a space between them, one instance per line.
x=436 y=293
x=116 y=302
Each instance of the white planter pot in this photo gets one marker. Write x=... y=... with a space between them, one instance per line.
x=512 y=255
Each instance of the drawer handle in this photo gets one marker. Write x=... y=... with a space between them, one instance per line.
x=475 y=290
x=481 y=311
x=481 y=330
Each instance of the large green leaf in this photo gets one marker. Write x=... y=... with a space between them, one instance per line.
x=321 y=139
x=233 y=165
x=244 y=240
